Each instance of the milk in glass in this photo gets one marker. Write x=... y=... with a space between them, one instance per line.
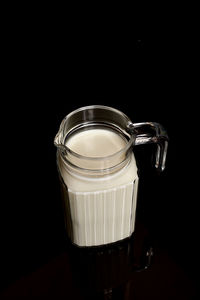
x=99 y=209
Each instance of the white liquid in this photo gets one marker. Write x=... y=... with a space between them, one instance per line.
x=102 y=209
x=96 y=143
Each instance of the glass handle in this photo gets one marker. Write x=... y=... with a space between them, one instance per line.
x=145 y=260
x=151 y=132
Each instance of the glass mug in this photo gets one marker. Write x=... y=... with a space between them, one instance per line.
x=98 y=172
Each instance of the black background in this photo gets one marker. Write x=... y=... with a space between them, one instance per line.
x=52 y=71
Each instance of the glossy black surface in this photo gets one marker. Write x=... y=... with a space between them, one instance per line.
x=106 y=273
x=148 y=81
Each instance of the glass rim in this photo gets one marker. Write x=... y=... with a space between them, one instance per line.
x=129 y=143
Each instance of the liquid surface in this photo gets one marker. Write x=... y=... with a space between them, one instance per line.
x=96 y=143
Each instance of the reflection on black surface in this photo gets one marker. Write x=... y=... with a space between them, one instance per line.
x=104 y=272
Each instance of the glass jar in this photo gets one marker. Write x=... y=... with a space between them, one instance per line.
x=98 y=172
